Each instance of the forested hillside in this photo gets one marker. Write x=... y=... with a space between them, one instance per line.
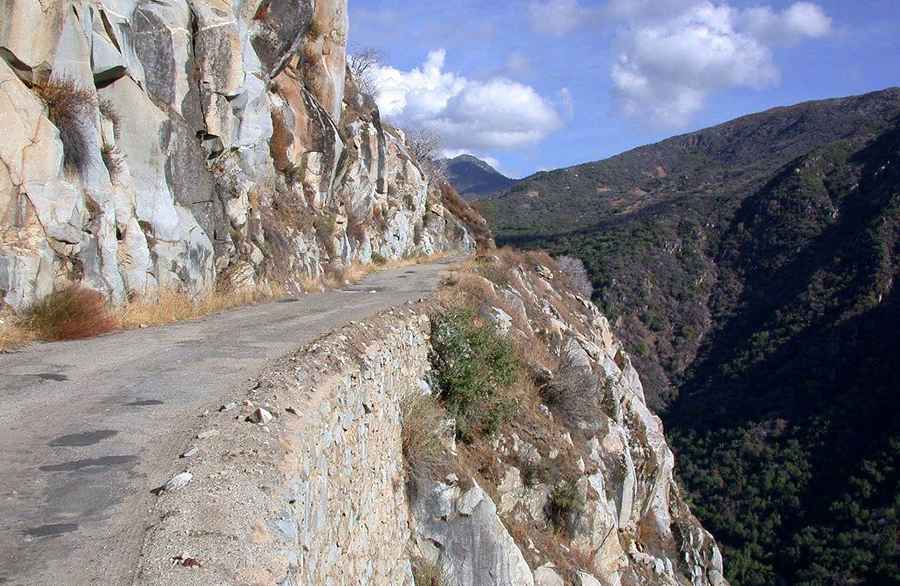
x=750 y=269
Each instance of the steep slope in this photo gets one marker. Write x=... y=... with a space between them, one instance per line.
x=752 y=277
x=505 y=491
x=474 y=178
x=194 y=144
x=647 y=222
x=794 y=395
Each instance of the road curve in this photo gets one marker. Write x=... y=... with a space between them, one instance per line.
x=88 y=428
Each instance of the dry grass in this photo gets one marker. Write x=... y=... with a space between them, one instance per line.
x=13 y=333
x=423 y=421
x=72 y=313
x=174 y=306
x=426 y=573
x=467 y=214
x=68 y=107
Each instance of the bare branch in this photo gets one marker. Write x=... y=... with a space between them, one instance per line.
x=363 y=63
x=425 y=145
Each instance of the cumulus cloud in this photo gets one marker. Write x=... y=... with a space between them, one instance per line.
x=671 y=59
x=799 y=21
x=559 y=17
x=467 y=114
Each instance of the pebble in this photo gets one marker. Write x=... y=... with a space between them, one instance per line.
x=208 y=434
x=178 y=482
x=191 y=452
x=228 y=406
x=260 y=416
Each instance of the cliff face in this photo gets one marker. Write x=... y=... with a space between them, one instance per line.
x=322 y=493
x=189 y=143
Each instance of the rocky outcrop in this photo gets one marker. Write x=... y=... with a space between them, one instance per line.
x=181 y=144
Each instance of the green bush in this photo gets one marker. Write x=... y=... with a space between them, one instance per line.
x=565 y=507
x=473 y=367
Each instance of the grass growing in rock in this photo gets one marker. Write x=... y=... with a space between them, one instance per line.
x=426 y=573
x=423 y=420
x=565 y=507
x=474 y=365
x=70 y=108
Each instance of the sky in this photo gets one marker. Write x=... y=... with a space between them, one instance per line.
x=531 y=85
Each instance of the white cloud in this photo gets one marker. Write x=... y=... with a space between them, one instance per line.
x=558 y=17
x=670 y=59
x=799 y=21
x=467 y=114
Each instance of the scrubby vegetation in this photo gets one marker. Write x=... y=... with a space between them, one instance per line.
x=473 y=365
x=750 y=270
x=426 y=573
x=72 y=313
x=565 y=507
x=423 y=421
x=70 y=108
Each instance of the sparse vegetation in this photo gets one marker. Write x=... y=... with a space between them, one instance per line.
x=72 y=313
x=574 y=270
x=172 y=306
x=565 y=507
x=427 y=573
x=363 y=65
x=474 y=366
x=423 y=422
x=451 y=200
x=574 y=392
x=70 y=107
x=114 y=160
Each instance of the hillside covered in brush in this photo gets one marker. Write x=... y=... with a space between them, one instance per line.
x=750 y=269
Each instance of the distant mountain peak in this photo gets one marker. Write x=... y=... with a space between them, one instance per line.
x=475 y=178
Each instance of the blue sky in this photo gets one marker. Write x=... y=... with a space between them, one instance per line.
x=542 y=84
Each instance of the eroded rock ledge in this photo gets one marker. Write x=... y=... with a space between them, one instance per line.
x=319 y=493
x=207 y=143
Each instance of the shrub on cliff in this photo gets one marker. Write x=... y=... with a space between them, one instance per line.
x=72 y=313
x=474 y=365
x=69 y=107
x=565 y=507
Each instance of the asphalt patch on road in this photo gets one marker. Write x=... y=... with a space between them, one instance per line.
x=75 y=465
x=145 y=403
x=80 y=440
x=51 y=530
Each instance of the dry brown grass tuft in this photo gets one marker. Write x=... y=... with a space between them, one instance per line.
x=13 y=333
x=174 y=306
x=476 y=224
x=72 y=313
x=427 y=573
x=69 y=107
x=423 y=422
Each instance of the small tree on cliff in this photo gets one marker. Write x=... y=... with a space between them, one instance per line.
x=425 y=145
x=363 y=64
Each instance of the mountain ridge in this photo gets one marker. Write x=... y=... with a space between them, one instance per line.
x=744 y=265
x=475 y=178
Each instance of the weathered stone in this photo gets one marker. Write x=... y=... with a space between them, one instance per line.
x=260 y=416
x=473 y=544
x=547 y=575
x=178 y=482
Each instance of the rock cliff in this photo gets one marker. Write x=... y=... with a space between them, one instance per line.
x=323 y=491
x=187 y=144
